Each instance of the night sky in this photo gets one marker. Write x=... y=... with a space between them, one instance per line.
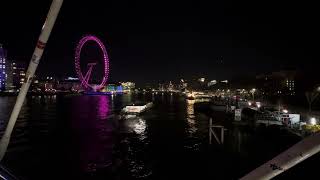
x=152 y=41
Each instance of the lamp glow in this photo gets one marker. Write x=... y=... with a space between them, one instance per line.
x=313 y=121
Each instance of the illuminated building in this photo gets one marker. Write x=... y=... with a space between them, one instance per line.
x=16 y=74
x=3 y=74
x=113 y=88
x=9 y=80
x=290 y=86
x=278 y=83
x=69 y=84
x=12 y=74
x=211 y=83
x=127 y=86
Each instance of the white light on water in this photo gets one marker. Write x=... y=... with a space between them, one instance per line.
x=139 y=126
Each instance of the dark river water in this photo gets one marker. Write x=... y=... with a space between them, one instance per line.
x=82 y=137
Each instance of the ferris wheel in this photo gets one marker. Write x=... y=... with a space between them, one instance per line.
x=85 y=77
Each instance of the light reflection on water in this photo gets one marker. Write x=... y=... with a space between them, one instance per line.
x=138 y=126
x=94 y=131
x=103 y=107
x=191 y=117
x=137 y=141
x=84 y=132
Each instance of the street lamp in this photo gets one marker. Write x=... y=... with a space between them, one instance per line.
x=313 y=121
x=252 y=92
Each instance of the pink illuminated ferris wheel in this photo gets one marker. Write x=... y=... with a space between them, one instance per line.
x=85 y=77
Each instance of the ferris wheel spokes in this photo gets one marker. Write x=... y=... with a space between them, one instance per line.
x=88 y=74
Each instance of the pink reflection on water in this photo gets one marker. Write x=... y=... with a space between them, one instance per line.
x=94 y=131
x=103 y=107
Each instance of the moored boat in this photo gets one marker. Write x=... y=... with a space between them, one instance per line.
x=136 y=109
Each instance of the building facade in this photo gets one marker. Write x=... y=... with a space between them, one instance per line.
x=69 y=84
x=128 y=86
x=116 y=87
x=278 y=83
x=16 y=73
x=3 y=74
x=9 y=80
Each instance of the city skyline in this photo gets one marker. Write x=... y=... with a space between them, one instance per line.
x=150 y=42
x=159 y=90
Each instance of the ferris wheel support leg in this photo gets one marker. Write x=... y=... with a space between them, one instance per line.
x=83 y=82
x=43 y=38
x=87 y=77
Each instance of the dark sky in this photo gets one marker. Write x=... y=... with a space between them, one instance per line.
x=148 y=40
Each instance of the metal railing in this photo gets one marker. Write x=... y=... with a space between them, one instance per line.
x=289 y=158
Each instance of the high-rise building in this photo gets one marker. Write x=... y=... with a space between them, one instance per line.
x=15 y=72
x=278 y=83
x=9 y=80
x=3 y=74
x=18 y=73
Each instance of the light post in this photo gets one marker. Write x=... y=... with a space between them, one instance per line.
x=311 y=96
x=252 y=92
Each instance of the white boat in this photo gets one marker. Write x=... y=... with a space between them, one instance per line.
x=135 y=109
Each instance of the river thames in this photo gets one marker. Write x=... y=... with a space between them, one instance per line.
x=82 y=137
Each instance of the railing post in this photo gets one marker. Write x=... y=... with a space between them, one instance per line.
x=210 y=133
x=222 y=135
x=289 y=158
